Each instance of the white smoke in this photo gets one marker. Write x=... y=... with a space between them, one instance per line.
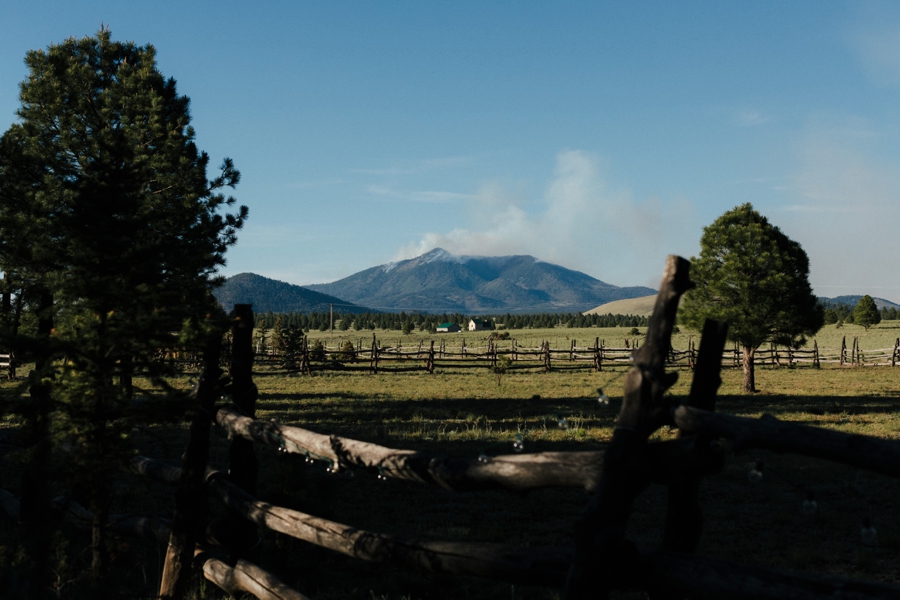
x=579 y=222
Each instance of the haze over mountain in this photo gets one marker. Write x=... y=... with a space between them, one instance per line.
x=438 y=281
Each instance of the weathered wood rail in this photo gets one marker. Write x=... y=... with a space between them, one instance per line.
x=8 y=363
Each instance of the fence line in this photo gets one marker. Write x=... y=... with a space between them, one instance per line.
x=377 y=358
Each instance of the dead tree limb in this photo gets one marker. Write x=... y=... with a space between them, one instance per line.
x=603 y=556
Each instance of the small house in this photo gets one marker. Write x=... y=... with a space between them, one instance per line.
x=448 y=328
x=477 y=325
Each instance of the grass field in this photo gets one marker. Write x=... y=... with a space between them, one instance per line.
x=829 y=338
x=466 y=414
x=470 y=414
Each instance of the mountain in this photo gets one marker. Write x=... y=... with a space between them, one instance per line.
x=269 y=295
x=852 y=301
x=442 y=282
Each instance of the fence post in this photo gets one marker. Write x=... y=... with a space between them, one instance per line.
x=601 y=548
x=896 y=352
x=684 y=518
x=243 y=466
x=843 y=350
x=816 y=354
x=191 y=507
x=430 y=365
x=373 y=363
x=305 y=365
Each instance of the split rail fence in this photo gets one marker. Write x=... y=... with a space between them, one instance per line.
x=377 y=358
x=601 y=559
x=8 y=363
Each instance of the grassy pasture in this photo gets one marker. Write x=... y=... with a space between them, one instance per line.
x=469 y=414
x=466 y=414
x=829 y=338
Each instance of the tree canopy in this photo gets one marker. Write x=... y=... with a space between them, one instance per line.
x=866 y=313
x=111 y=232
x=752 y=276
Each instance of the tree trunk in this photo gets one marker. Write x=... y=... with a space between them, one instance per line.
x=749 y=378
x=36 y=526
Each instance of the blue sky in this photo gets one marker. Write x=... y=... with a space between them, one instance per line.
x=600 y=136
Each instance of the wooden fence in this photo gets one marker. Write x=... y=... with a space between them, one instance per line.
x=8 y=363
x=602 y=558
x=856 y=356
x=598 y=356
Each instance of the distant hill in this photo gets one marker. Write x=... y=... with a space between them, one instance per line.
x=270 y=295
x=641 y=307
x=852 y=301
x=442 y=282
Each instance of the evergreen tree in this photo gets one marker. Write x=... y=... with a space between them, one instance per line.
x=291 y=343
x=109 y=221
x=278 y=334
x=752 y=276
x=866 y=313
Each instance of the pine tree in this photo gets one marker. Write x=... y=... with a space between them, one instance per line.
x=109 y=222
x=752 y=276
x=866 y=313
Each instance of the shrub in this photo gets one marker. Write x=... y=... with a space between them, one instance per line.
x=317 y=350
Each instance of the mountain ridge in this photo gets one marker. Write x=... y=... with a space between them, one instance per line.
x=271 y=295
x=439 y=281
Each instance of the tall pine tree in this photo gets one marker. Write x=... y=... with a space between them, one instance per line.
x=108 y=220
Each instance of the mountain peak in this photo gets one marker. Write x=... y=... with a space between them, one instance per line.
x=439 y=281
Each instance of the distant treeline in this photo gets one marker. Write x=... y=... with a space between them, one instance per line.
x=843 y=313
x=408 y=322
